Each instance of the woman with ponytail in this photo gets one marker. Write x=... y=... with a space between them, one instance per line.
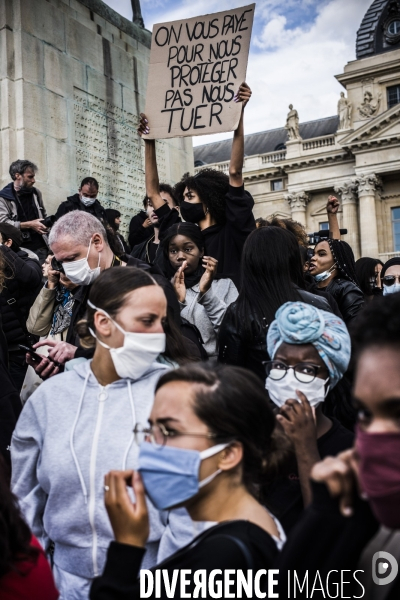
x=79 y=424
x=208 y=449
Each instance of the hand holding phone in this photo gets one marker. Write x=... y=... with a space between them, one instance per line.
x=34 y=355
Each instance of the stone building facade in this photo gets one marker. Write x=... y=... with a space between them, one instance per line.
x=73 y=76
x=290 y=171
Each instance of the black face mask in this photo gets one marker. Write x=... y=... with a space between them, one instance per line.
x=192 y=213
x=116 y=226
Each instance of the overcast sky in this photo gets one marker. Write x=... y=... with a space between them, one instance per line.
x=297 y=48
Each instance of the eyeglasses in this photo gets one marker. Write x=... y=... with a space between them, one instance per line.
x=389 y=280
x=304 y=372
x=159 y=434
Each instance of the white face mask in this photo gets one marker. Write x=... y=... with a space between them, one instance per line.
x=88 y=201
x=391 y=289
x=79 y=271
x=138 y=352
x=285 y=389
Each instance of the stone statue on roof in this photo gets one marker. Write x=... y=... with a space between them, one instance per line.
x=344 y=110
x=292 y=124
x=137 y=13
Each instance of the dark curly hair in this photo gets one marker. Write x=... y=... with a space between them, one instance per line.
x=15 y=536
x=211 y=186
x=294 y=227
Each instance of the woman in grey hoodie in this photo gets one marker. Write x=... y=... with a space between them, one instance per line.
x=78 y=425
x=203 y=295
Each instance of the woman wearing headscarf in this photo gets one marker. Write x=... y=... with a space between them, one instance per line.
x=390 y=276
x=333 y=268
x=310 y=352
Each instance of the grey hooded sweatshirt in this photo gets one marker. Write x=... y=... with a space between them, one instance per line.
x=207 y=311
x=71 y=432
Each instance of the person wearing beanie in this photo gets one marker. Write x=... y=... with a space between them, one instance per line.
x=390 y=276
x=310 y=352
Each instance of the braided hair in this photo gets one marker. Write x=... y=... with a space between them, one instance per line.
x=344 y=259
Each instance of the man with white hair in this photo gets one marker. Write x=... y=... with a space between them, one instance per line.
x=79 y=243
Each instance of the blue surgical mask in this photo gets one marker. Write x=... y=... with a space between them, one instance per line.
x=171 y=475
x=391 y=289
x=325 y=274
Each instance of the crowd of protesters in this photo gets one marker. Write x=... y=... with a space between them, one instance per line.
x=213 y=393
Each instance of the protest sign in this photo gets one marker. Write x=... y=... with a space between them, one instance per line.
x=196 y=68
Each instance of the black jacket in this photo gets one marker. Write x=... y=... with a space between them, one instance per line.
x=348 y=296
x=9 y=204
x=20 y=292
x=225 y=242
x=74 y=203
x=166 y=218
x=138 y=233
x=236 y=545
x=235 y=349
x=10 y=401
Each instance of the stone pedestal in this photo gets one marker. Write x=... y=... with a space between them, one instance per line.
x=298 y=202
x=348 y=194
x=73 y=78
x=368 y=185
x=294 y=148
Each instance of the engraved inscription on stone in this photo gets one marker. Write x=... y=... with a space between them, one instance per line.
x=109 y=149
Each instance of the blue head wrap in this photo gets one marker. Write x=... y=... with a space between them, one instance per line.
x=300 y=323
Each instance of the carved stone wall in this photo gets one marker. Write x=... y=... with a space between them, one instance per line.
x=72 y=83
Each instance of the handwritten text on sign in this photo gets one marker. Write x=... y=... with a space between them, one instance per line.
x=196 y=67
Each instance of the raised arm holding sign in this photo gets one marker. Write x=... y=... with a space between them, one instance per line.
x=196 y=65
x=216 y=202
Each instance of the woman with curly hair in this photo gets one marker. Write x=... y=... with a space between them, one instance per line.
x=334 y=270
x=216 y=202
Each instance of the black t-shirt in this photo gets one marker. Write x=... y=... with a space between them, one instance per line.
x=284 y=498
x=225 y=242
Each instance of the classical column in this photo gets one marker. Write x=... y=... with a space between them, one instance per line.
x=368 y=185
x=348 y=194
x=298 y=202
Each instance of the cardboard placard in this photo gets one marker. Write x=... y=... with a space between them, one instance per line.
x=196 y=67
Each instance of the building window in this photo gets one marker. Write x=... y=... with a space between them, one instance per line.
x=393 y=95
x=324 y=226
x=396 y=229
x=394 y=27
x=277 y=185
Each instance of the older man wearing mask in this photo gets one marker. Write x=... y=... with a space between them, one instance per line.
x=79 y=244
x=85 y=200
